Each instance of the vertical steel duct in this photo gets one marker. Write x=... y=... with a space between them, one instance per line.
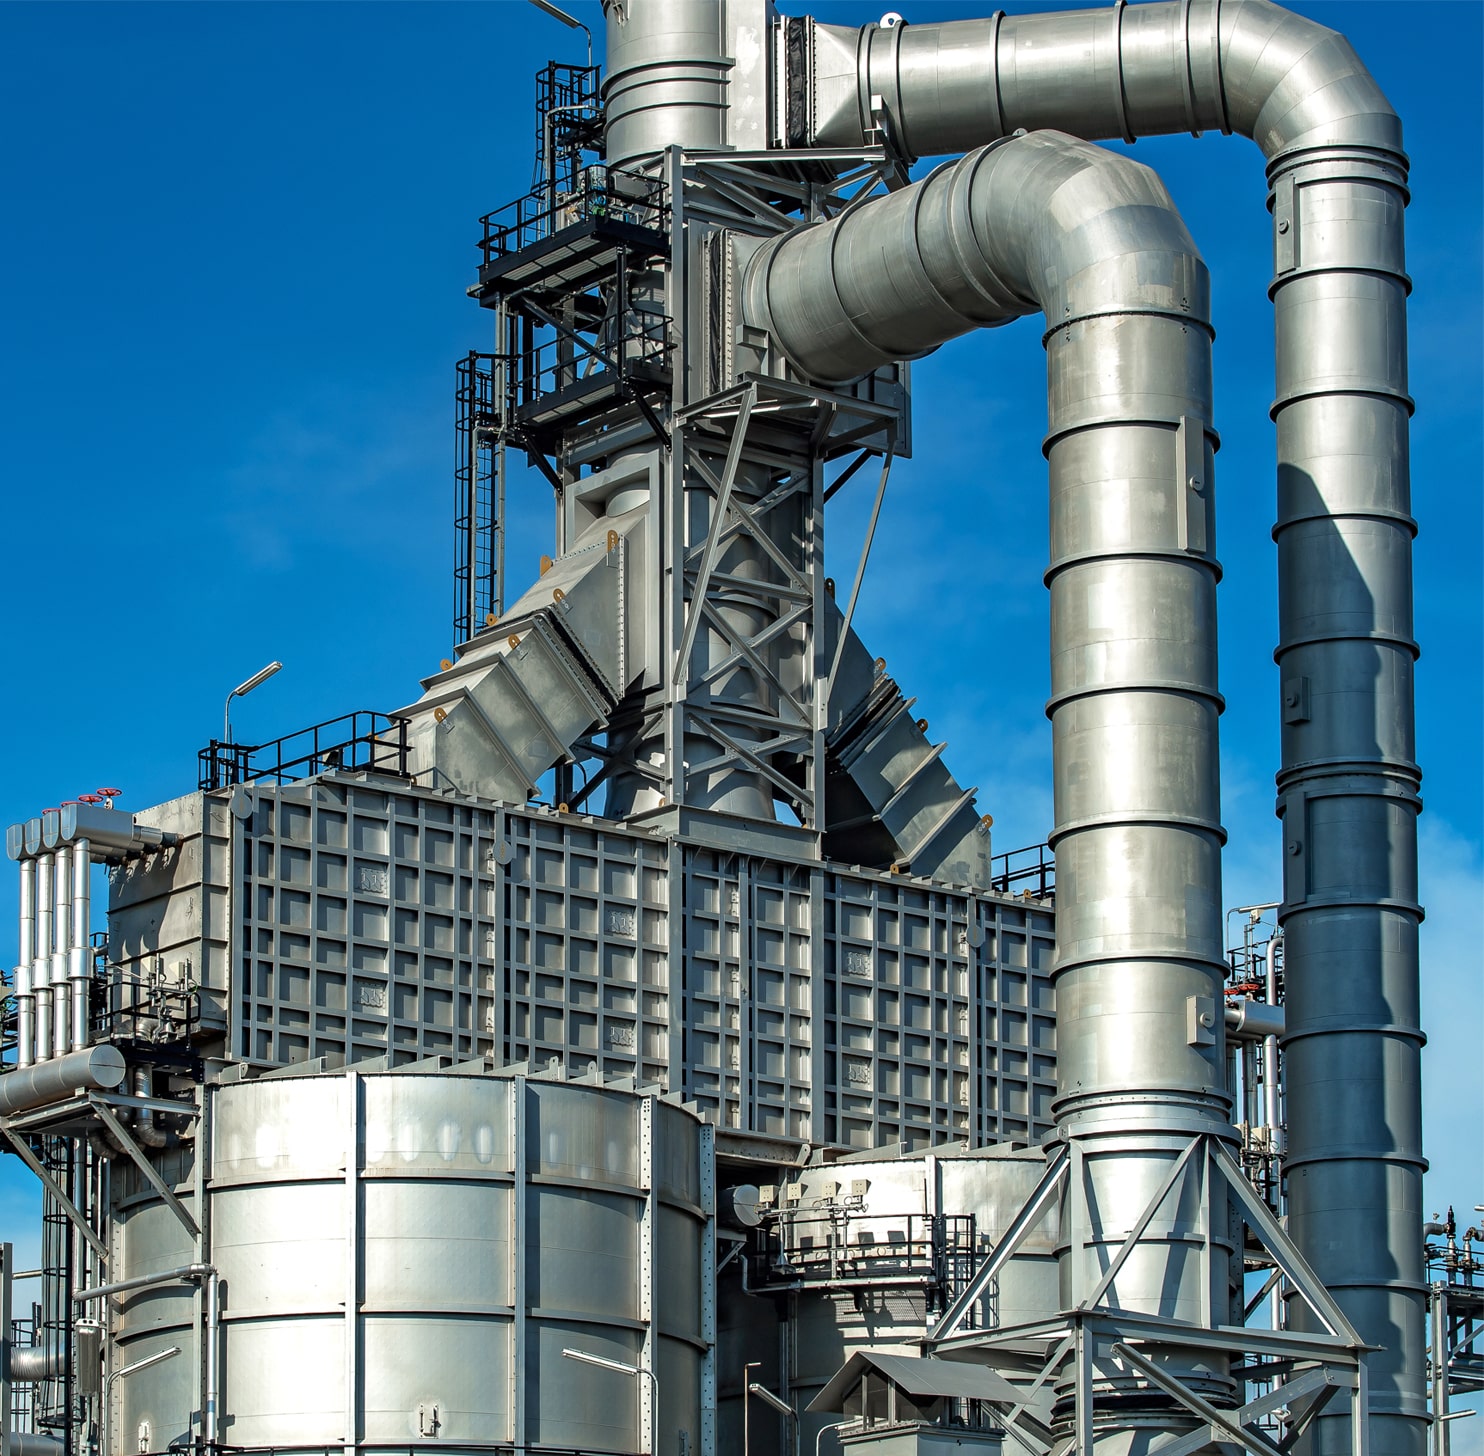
x=1348 y=786
x=1048 y=223
x=666 y=77
x=77 y=955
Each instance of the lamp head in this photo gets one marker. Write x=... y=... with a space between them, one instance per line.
x=257 y=679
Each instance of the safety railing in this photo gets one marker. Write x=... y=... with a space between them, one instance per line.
x=838 y=1243
x=1032 y=869
x=611 y=194
x=639 y=343
x=363 y=740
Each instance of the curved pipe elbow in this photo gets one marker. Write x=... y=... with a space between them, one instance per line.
x=1245 y=66
x=1292 y=84
x=1038 y=223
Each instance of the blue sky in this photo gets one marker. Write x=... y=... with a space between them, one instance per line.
x=235 y=243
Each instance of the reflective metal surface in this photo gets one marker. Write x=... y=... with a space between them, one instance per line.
x=1349 y=780
x=401 y=1259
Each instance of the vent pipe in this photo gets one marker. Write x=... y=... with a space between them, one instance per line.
x=1348 y=785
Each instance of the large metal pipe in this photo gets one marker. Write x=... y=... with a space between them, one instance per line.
x=111 y=836
x=666 y=77
x=1348 y=786
x=96 y=1067
x=35 y=1362
x=28 y=1443
x=1048 y=223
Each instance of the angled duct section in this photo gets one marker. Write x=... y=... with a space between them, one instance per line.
x=1348 y=786
x=890 y=800
x=1046 y=223
x=549 y=671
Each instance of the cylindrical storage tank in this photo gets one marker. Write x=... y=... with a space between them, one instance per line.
x=853 y=1237
x=403 y=1257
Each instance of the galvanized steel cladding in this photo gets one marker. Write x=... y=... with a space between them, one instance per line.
x=808 y=1002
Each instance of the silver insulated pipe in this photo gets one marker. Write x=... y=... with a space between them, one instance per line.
x=77 y=955
x=25 y=1002
x=61 y=947
x=1051 y=224
x=41 y=967
x=1348 y=785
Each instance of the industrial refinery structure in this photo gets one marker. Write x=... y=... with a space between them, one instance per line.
x=633 y=1043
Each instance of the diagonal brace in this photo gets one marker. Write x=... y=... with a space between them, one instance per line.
x=148 y=1169
x=51 y=1185
x=1217 y=1419
x=1285 y=1255
x=1174 y=1176
x=860 y=570
x=718 y=517
x=1024 y=1221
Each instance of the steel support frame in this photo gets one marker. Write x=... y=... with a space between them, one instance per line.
x=709 y=444
x=775 y=426
x=1095 y=1339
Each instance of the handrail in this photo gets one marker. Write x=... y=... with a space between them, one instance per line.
x=361 y=740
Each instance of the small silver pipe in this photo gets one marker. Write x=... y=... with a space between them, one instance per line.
x=61 y=945
x=1440 y=1434
x=1271 y=1111
x=212 y=1401
x=26 y=953
x=82 y=864
x=41 y=966
x=143 y=1281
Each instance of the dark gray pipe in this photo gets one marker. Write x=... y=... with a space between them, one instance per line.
x=1348 y=786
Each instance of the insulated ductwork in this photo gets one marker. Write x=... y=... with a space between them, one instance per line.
x=1047 y=223
x=1348 y=787
x=96 y=1067
x=666 y=78
x=550 y=670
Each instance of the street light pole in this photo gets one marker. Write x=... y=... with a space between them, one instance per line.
x=747 y=1370
x=781 y=1406
x=241 y=691
x=622 y=1367
x=571 y=21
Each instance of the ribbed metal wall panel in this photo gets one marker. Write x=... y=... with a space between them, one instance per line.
x=791 y=998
